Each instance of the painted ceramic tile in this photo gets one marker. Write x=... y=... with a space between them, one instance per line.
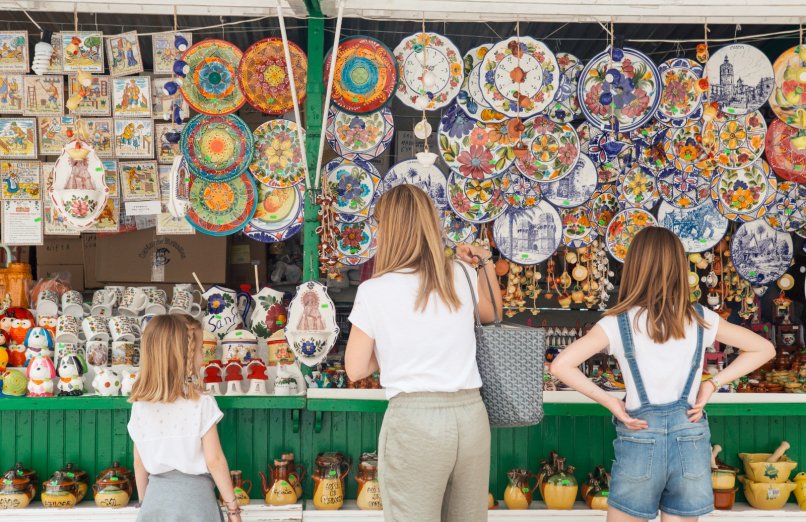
x=699 y=228
x=576 y=188
x=139 y=180
x=528 y=236
x=14 y=51
x=166 y=150
x=123 y=54
x=99 y=134
x=131 y=96
x=47 y=177
x=98 y=96
x=11 y=93
x=741 y=78
x=166 y=223
x=83 y=51
x=18 y=138
x=111 y=178
x=56 y=65
x=165 y=51
x=21 y=179
x=419 y=51
x=55 y=224
x=760 y=253
x=109 y=220
x=165 y=105
x=134 y=138
x=43 y=95
x=53 y=133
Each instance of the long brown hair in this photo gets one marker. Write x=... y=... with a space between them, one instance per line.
x=167 y=360
x=410 y=237
x=655 y=279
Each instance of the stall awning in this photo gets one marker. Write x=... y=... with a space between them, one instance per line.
x=234 y=8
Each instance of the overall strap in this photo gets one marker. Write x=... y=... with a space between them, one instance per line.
x=629 y=353
x=696 y=362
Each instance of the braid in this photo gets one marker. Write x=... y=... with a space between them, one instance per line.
x=191 y=373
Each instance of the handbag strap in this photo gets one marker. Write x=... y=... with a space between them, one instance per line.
x=475 y=301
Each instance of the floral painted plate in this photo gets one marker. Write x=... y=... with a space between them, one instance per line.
x=356 y=243
x=623 y=228
x=741 y=78
x=623 y=97
x=457 y=230
x=211 y=86
x=565 y=107
x=650 y=142
x=740 y=140
x=263 y=75
x=553 y=150
x=470 y=98
x=578 y=230
x=611 y=154
x=431 y=71
x=680 y=104
x=788 y=99
x=788 y=213
x=217 y=148
x=520 y=76
x=477 y=201
x=221 y=208
x=366 y=75
x=637 y=188
x=760 y=253
x=426 y=176
x=278 y=215
x=700 y=228
x=744 y=194
x=576 y=188
x=362 y=136
x=528 y=236
x=785 y=158
x=603 y=205
x=684 y=188
x=369 y=210
x=520 y=191
x=685 y=150
x=352 y=183
x=278 y=160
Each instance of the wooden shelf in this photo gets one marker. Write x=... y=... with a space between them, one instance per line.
x=96 y=402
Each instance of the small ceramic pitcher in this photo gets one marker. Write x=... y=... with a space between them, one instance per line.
x=518 y=494
x=222 y=315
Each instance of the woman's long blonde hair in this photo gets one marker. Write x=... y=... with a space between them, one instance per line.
x=167 y=360
x=655 y=279
x=410 y=237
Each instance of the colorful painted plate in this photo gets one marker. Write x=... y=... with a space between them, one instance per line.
x=650 y=142
x=679 y=103
x=553 y=150
x=785 y=158
x=637 y=188
x=279 y=214
x=366 y=75
x=603 y=205
x=576 y=188
x=278 y=160
x=788 y=98
x=700 y=228
x=470 y=98
x=760 y=253
x=684 y=188
x=788 y=213
x=370 y=210
x=263 y=76
x=457 y=230
x=352 y=183
x=477 y=201
x=578 y=230
x=431 y=71
x=611 y=154
x=744 y=194
x=528 y=236
x=474 y=149
x=565 y=107
x=520 y=76
x=362 y=136
x=361 y=238
x=740 y=77
x=221 y=208
x=217 y=148
x=426 y=176
x=623 y=97
x=211 y=86
x=623 y=228
x=685 y=150
x=740 y=140
x=520 y=191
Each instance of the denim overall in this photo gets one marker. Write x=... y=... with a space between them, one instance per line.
x=667 y=465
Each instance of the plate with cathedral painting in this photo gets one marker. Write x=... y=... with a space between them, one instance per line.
x=760 y=253
x=741 y=78
x=574 y=189
x=528 y=236
x=623 y=228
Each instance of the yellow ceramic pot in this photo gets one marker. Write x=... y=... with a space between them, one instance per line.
x=112 y=498
x=63 y=499
x=800 y=489
x=14 y=500
x=598 y=502
x=766 y=495
x=723 y=479
x=758 y=470
x=281 y=494
x=558 y=496
x=328 y=494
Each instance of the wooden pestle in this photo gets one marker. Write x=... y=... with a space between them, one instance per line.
x=775 y=457
x=715 y=449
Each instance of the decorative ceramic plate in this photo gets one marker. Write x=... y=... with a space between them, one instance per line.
x=760 y=253
x=578 y=230
x=279 y=214
x=221 y=208
x=528 y=236
x=426 y=176
x=351 y=237
x=217 y=148
x=650 y=142
x=576 y=188
x=470 y=98
x=520 y=191
x=369 y=210
x=623 y=228
x=611 y=153
x=684 y=148
x=744 y=194
x=362 y=136
x=211 y=86
x=457 y=230
x=474 y=149
x=366 y=75
x=603 y=205
x=740 y=140
x=352 y=183
x=789 y=92
x=565 y=107
x=679 y=103
x=740 y=77
x=684 y=188
x=520 y=77
x=279 y=160
x=788 y=213
x=623 y=97
x=700 y=228
x=553 y=150
x=637 y=188
x=477 y=201
x=263 y=76
x=431 y=71
x=785 y=158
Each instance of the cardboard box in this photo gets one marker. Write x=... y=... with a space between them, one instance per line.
x=144 y=257
x=90 y=265
x=76 y=274
x=60 y=251
x=244 y=254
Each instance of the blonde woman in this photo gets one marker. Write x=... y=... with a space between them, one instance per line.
x=177 y=454
x=413 y=321
x=663 y=443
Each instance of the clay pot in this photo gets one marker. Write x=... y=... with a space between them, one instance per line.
x=296 y=472
x=518 y=494
x=240 y=487
x=21 y=472
x=328 y=480
x=16 y=491
x=113 y=487
x=278 y=492
x=724 y=498
x=59 y=492
x=81 y=478
x=560 y=490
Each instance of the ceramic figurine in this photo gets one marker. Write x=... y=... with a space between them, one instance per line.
x=15 y=384
x=518 y=494
x=38 y=341
x=212 y=377
x=106 y=382
x=71 y=375
x=233 y=375
x=20 y=321
x=279 y=492
x=128 y=377
x=16 y=355
x=328 y=480
x=60 y=491
x=4 y=337
x=239 y=345
x=256 y=375
x=40 y=375
x=16 y=491
x=48 y=322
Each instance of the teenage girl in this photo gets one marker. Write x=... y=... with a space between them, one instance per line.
x=658 y=336
x=177 y=454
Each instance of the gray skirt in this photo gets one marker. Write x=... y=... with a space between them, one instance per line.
x=178 y=497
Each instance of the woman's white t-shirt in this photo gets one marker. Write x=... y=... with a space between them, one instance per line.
x=664 y=367
x=168 y=435
x=433 y=350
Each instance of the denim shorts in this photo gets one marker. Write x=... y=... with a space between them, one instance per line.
x=666 y=467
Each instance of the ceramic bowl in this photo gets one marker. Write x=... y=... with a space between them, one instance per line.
x=764 y=495
x=800 y=490
x=311 y=347
x=758 y=470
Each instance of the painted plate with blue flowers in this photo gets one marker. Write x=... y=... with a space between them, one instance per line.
x=369 y=210
x=788 y=213
x=565 y=107
x=477 y=201
x=650 y=141
x=528 y=236
x=699 y=228
x=520 y=191
x=211 y=86
x=352 y=184
x=362 y=136
x=457 y=230
x=574 y=189
x=278 y=216
x=611 y=153
x=356 y=243
x=217 y=148
x=744 y=194
x=422 y=174
x=684 y=188
x=680 y=103
x=470 y=98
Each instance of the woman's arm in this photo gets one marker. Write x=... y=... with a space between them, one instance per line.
x=219 y=469
x=140 y=475
x=359 y=357
x=489 y=306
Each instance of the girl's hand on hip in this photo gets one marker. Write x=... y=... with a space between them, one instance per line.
x=619 y=411
x=703 y=396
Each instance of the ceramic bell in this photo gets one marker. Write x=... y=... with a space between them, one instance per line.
x=40 y=373
x=233 y=375
x=212 y=377
x=72 y=368
x=79 y=190
x=106 y=382
x=312 y=330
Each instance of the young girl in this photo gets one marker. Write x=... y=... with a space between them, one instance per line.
x=173 y=426
x=663 y=442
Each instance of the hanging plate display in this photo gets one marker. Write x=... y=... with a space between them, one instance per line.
x=700 y=228
x=528 y=236
x=787 y=159
x=210 y=86
x=760 y=253
x=457 y=230
x=470 y=98
x=312 y=329
x=352 y=183
x=477 y=201
x=369 y=210
x=603 y=205
x=576 y=188
x=788 y=99
x=278 y=215
x=362 y=136
x=474 y=149
x=553 y=150
x=684 y=148
x=680 y=102
x=354 y=239
x=684 y=188
x=431 y=71
x=740 y=139
x=788 y=212
x=422 y=174
x=650 y=142
x=744 y=194
x=637 y=188
x=278 y=160
x=365 y=77
x=263 y=76
x=623 y=97
x=520 y=191
x=740 y=78
x=217 y=148
x=565 y=107
x=623 y=228
x=611 y=153
x=578 y=230
x=221 y=208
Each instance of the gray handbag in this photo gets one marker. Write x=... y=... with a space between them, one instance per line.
x=510 y=360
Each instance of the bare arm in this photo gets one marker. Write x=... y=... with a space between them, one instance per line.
x=140 y=475
x=359 y=357
x=219 y=469
x=489 y=306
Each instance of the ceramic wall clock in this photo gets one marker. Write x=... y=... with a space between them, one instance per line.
x=619 y=92
x=477 y=201
x=611 y=153
x=352 y=183
x=362 y=136
x=221 y=208
x=211 y=87
x=366 y=75
x=741 y=78
x=578 y=229
x=422 y=173
x=217 y=148
x=528 y=236
x=520 y=191
x=787 y=158
x=565 y=107
x=788 y=98
x=650 y=142
x=788 y=212
x=356 y=243
x=457 y=230
x=278 y=159
x=311 y=330
x=603 y=205
x=278 y=215
x=623 y=228
x=576 y=188
x=760 y=253
x=79 y=192
x=740 y=140
x=263 y=76
x=431 y=71
x=553 y=150
x=680 y=102
x=470 y=98
x=637 y=188
x=685 y=150
x=700 y=228
x=744 y=194
x=474 y=149
x=684 y=188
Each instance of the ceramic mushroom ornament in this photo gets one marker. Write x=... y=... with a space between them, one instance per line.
x=79 y=191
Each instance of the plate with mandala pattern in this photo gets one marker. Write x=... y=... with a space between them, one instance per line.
x=211 y=86
x=362 y=136
x=366 y=75
x=684 y=188
x=680 y=103
x=637 y=188
x=221 y=208
x=217 y=148
x=788 y=213
x=278 y=160
x=552 y=152
x=477 y=201
x=528 y=236
x=744 y=194
x=740 y=140
x=263 y=75
x=431 y=71
x=623 y=228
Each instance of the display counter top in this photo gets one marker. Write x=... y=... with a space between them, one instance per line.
x=96 y=402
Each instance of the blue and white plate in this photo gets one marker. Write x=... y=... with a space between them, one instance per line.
x=741 y=78
x=426 y=176
x=699 y=228
x=574 y=189
x=528 y=236
x=279 y=215
x=611 y=153
x=760 y=253
x=788 y=213
x=352 y=183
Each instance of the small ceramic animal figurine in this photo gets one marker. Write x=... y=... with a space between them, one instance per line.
x=212 y=377
x=16 y=355
x=38 y=341
x=233 y=375
x=40 y=375
x=256 y=374
x=106 y=382
x=48 y=322
x=72 y=368
x=3 y=359
x=17 y=322
x=128 y=377
x=3 y=337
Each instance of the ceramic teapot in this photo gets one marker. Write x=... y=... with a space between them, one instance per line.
x=240 y=486
x=113 y=487
x=369 y=490
x=296 y=472
x=222 y=314
x=16 y=491
x=518 y=494
x=278 y=492
x=560 y=489
x=328 y=480
x=270 y=314
x=80 y=477
x=59 y=491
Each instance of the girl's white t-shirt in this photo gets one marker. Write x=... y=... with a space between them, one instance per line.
x=433 y=350
x=664 y=367
x=168 y=436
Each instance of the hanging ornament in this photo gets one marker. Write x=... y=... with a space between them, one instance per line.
x=43 y=51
